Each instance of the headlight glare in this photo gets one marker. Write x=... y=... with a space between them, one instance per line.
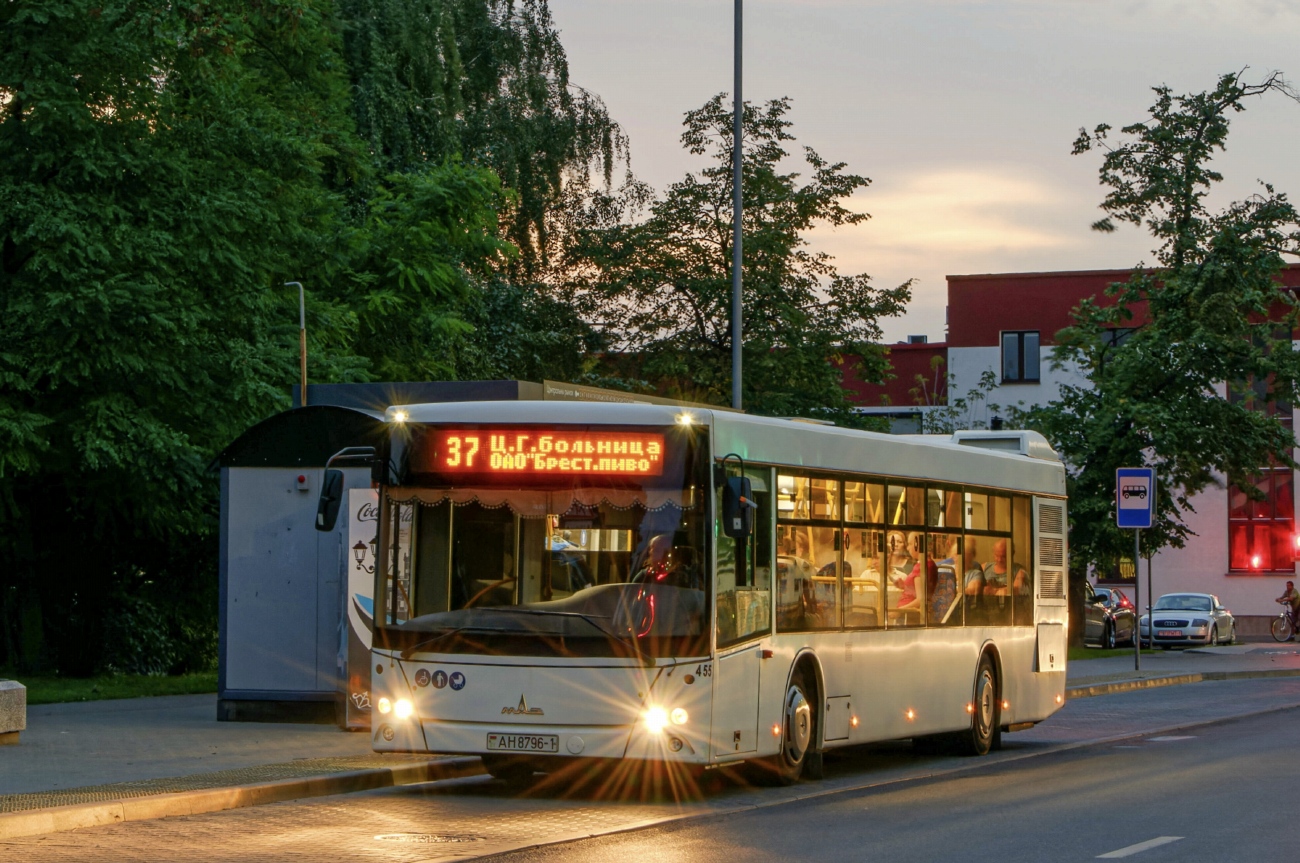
x=656 y=719
x=679 y=716
x=403 y=709
x=385 y=706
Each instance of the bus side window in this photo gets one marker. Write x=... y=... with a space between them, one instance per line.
x=745 y=592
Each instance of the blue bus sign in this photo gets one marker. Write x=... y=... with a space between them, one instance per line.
x=1135 y=497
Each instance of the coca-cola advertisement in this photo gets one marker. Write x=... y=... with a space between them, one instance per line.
x=359 y=584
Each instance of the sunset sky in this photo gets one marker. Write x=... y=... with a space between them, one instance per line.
x=961 y=112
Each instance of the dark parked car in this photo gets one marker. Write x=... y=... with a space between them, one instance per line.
x=1109 y=617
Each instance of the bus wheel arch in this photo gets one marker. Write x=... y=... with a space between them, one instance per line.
x=808 y=668
x=800 y=729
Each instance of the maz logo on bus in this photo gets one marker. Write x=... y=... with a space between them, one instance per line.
x=538 y=451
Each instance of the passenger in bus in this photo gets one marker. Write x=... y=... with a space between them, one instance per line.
x=897 y=558
x=908 y=600
x=1000 y=578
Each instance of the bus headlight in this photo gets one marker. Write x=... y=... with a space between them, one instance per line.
x=656 y=719
x=385 y=706
x=403 y=709
x=679 y=716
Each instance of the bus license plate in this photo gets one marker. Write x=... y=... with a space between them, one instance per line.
x=502 y=742
x=1169 y=633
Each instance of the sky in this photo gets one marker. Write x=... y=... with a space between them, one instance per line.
x=962 y=113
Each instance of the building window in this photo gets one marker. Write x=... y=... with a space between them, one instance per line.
x=1114 y=337
x=1261 y=533
x=1020 y=357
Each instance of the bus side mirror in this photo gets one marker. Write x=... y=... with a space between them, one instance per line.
x=331 y=499
x=738 y=507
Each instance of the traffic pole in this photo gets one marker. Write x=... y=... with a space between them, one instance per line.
x=1137 y=600
x=737 y=214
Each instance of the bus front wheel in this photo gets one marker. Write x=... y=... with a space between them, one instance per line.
x=985 y=724
x=798 y=735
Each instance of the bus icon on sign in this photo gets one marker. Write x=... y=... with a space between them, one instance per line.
x=1138 y=490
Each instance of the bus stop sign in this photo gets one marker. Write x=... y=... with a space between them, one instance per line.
x=1135 y=497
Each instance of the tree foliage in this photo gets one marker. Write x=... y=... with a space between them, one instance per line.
x=1161 y=351
x=163 y=171
x=660 y=288
x=488 y=81
x=159 y=167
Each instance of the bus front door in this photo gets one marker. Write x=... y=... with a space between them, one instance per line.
x=735 y=702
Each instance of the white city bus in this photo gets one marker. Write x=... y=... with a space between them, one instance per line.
x=556 y=583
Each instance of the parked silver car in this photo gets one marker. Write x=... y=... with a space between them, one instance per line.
x=1188 y=620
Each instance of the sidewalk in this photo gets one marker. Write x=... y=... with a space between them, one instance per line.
x=91 y=763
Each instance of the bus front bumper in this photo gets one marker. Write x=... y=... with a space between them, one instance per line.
x=673 y=743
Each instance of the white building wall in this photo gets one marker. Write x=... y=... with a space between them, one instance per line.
x=966 y=365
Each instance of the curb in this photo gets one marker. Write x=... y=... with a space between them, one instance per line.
x=34 y=822
x=1088 y=691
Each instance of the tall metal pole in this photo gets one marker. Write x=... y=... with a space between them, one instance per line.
x=1151 y=597
x=302 y=337
x=737 y=211
x=1137 y=601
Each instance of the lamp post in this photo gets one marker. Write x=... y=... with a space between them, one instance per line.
x=737 y=211
x=302 y=336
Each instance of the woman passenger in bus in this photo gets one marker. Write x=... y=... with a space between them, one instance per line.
x=897 y=558
x=908 y=599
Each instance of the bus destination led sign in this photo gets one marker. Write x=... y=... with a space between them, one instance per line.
x=539 y=451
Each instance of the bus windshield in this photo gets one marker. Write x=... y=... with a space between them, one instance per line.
x=577 y=541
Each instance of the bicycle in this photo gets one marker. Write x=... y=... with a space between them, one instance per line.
x=1282 y=628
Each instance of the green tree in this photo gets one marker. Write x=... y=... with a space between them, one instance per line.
x=448 y=90
x=660 y=288
x=1160 y=351
x=488 y=81
x=161 y=173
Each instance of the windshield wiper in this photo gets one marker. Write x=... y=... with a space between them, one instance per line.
x=589 y=619
x=447 y=633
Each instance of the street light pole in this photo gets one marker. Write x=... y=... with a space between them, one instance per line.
x=302 y=337
x=737 y=211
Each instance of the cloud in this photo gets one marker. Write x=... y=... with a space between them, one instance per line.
x=961 y=210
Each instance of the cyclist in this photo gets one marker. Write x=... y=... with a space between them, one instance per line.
x=1291 y=598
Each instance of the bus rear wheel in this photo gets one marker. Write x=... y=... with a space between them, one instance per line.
x=798 y=735
x=985 y=723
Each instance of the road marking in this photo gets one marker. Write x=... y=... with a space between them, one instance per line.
x=1139 y=848
x=1167 y=738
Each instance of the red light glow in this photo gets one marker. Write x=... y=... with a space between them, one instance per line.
x=542 y=451
x=1256 y=561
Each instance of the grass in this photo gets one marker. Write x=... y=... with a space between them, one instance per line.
x=55 y=690
x=1078 y=653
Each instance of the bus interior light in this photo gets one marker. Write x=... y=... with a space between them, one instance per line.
x=679 y=716
x=656 y=719
x=385 y=706
x=403 y=709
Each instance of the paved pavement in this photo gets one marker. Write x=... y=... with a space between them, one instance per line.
x=477 y=816
x=95 y=752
